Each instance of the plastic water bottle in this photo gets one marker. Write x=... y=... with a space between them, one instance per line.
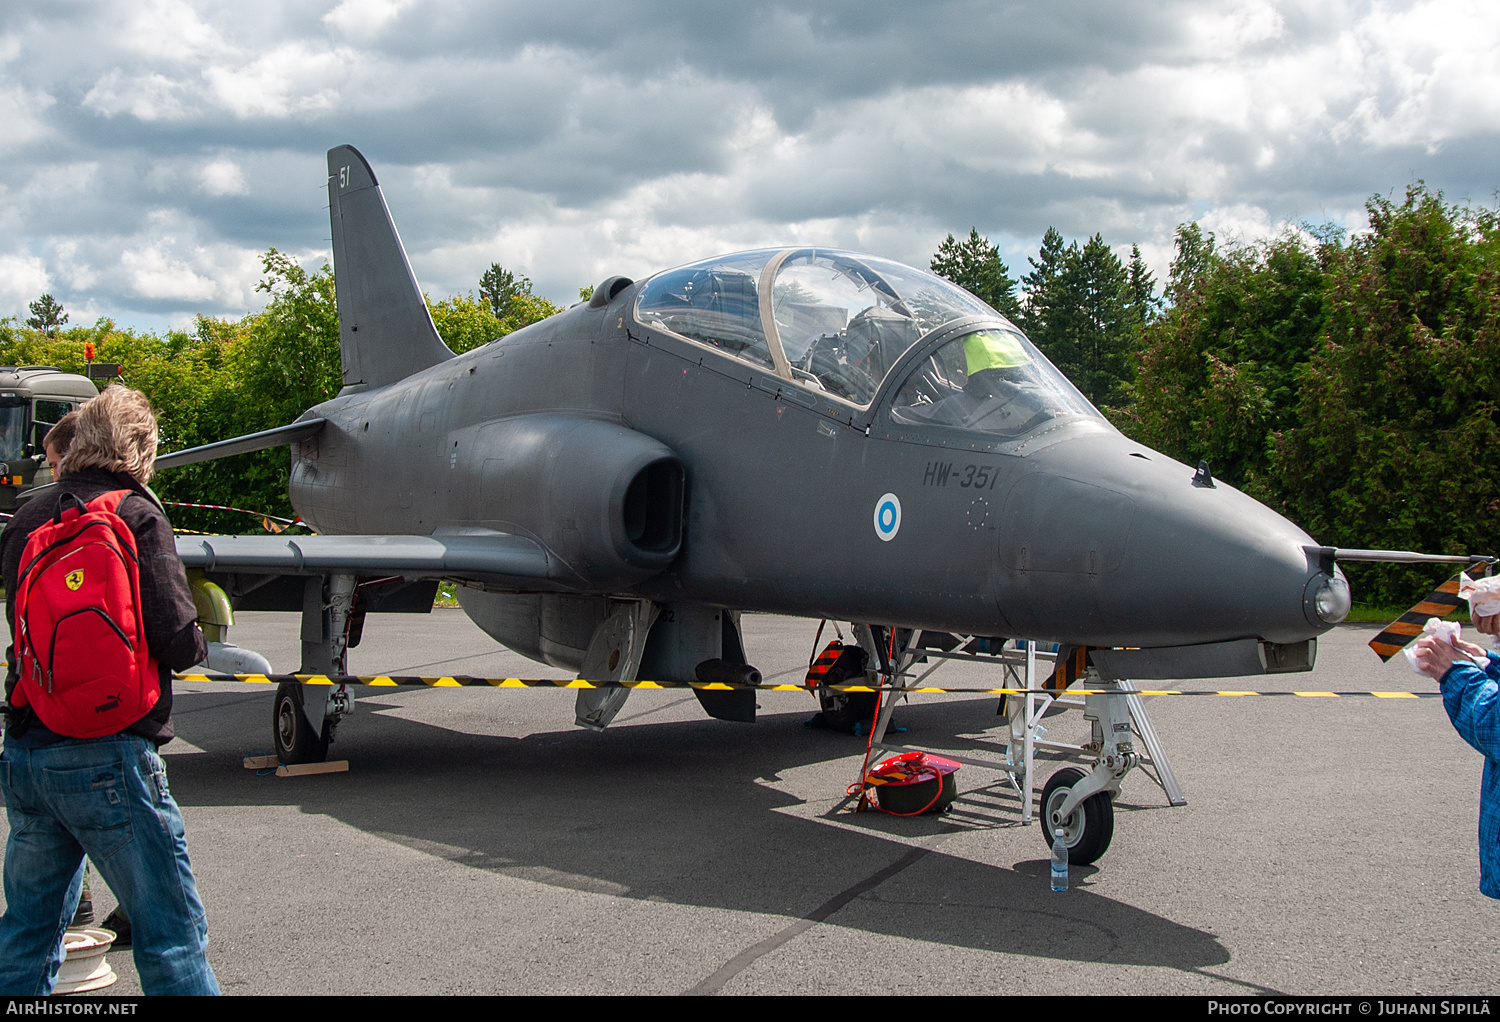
x=1059 y=860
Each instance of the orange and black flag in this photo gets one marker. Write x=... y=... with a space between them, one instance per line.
x=817 y=673
x=1441 y=602
x=1072 y=662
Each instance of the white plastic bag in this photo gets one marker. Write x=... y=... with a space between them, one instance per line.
x=1483 y=594
x=1447 y=631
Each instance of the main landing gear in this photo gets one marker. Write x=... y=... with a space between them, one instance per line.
x=305 y=717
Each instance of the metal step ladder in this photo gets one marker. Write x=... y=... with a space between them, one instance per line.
x=1019 y=661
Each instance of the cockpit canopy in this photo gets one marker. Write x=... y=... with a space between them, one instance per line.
x=836 y=322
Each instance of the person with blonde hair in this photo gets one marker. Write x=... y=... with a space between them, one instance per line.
x=105 y=797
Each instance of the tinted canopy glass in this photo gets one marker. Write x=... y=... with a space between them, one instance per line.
x=990 y=381
x=715 y=302
x=833 y=321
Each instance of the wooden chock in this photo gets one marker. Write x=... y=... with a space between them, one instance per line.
x=336 y=766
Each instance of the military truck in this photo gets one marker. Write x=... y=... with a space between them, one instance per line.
x=32 y=399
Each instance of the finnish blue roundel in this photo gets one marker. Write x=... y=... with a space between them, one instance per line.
x=888 y=517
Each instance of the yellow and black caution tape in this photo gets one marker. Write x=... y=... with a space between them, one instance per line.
x=1439 y=603
x=464 y=681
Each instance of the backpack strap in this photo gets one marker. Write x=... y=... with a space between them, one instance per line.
x=60 y=512
x=109 y=501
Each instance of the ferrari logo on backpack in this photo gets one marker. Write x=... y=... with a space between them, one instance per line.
x=74 y=579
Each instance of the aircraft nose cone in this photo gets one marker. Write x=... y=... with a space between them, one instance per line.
x=1140 y=556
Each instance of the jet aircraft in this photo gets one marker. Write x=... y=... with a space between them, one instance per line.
x=796 y=430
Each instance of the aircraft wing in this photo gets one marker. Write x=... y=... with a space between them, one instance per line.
x=494 y=557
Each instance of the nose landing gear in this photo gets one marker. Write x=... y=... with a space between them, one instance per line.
x=1035 y=682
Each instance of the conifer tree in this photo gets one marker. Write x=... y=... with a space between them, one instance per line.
x=1142 y=303
x=1041 y=287
x=501 y=288
x=47 y=315
x=975 y=265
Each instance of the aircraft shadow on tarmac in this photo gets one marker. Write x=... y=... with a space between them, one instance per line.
x=672 y=812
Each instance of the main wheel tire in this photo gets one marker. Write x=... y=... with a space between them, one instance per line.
x=1087 y=830
x=294 y=737
x=842 y=711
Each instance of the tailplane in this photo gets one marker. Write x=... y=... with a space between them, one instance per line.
x=385 y=330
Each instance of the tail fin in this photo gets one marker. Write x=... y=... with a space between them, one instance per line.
x=385 y=330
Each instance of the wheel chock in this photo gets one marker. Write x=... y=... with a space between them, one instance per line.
x=337 y=766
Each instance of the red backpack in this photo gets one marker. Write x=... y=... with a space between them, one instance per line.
x=80 y=637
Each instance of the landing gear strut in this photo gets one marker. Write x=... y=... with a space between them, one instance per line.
x=304 y=717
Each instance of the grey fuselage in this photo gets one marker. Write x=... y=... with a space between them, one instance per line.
x=1072 y=533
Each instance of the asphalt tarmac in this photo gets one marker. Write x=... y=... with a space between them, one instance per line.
x=481 y=843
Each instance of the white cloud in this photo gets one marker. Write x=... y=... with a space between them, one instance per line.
x=22 y=112
x=167 y=30
x=364 y=19
x=290 y=80
x=1216 y=30
x=73 y=272
x=1238 y=224
x=22 y=279
x=569 y=148
x=146 y=97
x=1436 y=63
x=155 y=274
x=223 y=177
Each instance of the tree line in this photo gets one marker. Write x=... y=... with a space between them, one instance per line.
x=1352 y=383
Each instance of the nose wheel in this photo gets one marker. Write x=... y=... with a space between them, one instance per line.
x=1088 y=829
x=844 y=711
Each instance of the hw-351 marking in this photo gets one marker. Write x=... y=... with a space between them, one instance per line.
x=978 y=477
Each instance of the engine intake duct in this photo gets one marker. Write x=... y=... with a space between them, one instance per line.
x=653 y=507
x=604 y=499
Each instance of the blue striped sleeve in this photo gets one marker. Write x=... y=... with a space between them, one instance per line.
x=1472 y=699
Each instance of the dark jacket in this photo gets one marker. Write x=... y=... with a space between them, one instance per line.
x=172 y=632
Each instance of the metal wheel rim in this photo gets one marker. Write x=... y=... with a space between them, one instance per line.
x=286 y=724
x=1072 y=827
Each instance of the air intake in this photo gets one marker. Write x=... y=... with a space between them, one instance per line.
x=653 y=507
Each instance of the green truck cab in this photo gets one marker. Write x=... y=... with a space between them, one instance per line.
x=32 y=400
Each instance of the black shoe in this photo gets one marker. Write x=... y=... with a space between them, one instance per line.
x=120 y=924
x=84 y=916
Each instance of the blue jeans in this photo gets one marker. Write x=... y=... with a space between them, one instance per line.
x=106 y=797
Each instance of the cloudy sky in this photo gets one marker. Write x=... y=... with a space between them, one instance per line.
x=150 y=150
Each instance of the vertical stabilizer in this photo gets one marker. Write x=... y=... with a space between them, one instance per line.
x=385 y=330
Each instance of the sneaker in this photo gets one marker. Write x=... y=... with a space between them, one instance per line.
x=120 y=924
